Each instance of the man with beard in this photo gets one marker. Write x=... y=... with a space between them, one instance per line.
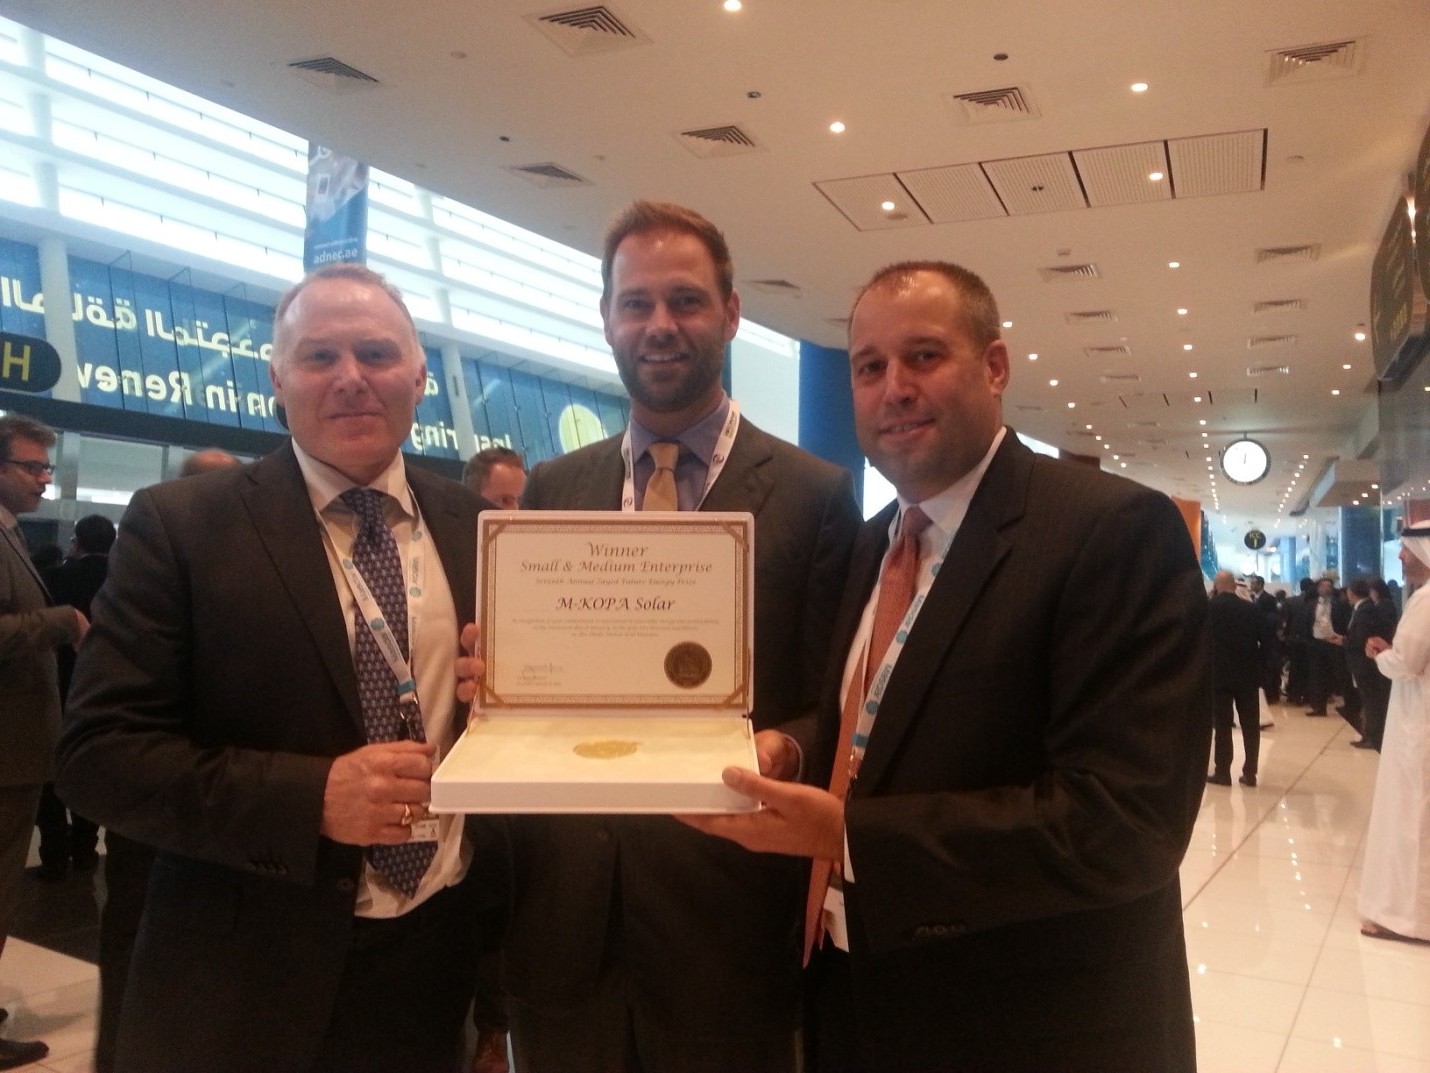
x=636 y=943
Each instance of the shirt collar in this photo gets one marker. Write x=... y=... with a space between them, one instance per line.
x=325 y=484
x=946 y=510
x=8 y=520
x=699 y=439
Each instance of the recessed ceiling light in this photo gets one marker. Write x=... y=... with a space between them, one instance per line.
x=1139 y=87
x=1196 y=398
x=887 y=206
x=1174 y=264
x=1072 y=406
x=1186 y=346
x=1116 y=457
x=1099 y=439
x=1192 y=376
x=1007 y=324
x=1155 y=176
x=1107 y=446
x=1089 y=428
x=1052 y=383
x=1335 y=391
x=733 y=5
x=836 y=127
x=1347 y=365
x=1032 y=357
x=1360 y=337
x=1181 y=312
x=1203 y=421
x=1375 y=486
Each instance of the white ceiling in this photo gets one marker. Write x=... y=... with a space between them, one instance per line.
x=470 y=88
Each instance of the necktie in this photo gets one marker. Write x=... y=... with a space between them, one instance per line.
x=660 y=489
x=897 y=586
x=376 y=558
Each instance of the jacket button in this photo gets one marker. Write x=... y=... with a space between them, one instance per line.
x=346 y=885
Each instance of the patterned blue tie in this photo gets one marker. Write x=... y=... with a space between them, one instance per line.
x=376 y=558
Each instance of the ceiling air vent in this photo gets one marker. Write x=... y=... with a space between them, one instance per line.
x=547 y=175
x=1282 y=254
x=1058 y=273
x=1029 y=407
x=1121 y=378
x=1278 y=305
x=728 y=140
x=1120 y=350
x=1313 y=63
x=332 y=74
x=1091 y=316
x=1257 y=342
x=1144 y=424
x=776 y=286
x=583 y=31
x=1268 y=370
x=995 y=105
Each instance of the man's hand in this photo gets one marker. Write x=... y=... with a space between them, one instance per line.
x=81 y=627
x=778 y=755
x=470 y=667
x=371 y=790
x=1374 y=646
x=802 y=821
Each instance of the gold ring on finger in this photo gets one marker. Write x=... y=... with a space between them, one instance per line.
x=406 y=816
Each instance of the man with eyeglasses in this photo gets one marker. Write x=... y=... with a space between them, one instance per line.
x=31 y=628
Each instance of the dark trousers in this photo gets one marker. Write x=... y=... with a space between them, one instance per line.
x=1375 y=697
x=1298 y=670
x=608 y=1033
x=63 y=835
x=1247 y=700
x=379 y=1028
x=831 y=1043
x=1326 y=667
x=126 y=880
x=1273 y=659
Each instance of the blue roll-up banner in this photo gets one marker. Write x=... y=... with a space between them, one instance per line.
x=337 y=209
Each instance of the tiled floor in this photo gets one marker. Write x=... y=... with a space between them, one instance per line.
x=1281 y=978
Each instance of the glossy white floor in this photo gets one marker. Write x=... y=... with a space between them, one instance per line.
x=1282 y=980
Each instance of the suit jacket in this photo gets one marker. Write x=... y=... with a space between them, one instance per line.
x=30 y=630
x=74 y=582
x=1030 y=785
x=1236 y=642
x=708 y=932
x=1367 y=621
x=214 y=689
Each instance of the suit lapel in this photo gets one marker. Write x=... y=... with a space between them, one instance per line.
x=283 y=520
x=975 y=554
x=23 y=554
x=744 y=483
x=455 y=543
x=598 y=485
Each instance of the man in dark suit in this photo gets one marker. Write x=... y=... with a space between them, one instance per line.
x=1236 y=640
x=75 y=581
x=637 y=944
x=32 y=626
x=268 y=686
x=1367 y=621
x=1024 y=764
x=1272 y=658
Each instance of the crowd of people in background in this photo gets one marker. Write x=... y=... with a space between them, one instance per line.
x=1351 y=644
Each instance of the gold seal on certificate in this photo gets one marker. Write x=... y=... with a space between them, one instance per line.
x=688 y=665
x=605 y=750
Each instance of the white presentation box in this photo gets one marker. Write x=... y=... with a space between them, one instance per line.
x=619 y=654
